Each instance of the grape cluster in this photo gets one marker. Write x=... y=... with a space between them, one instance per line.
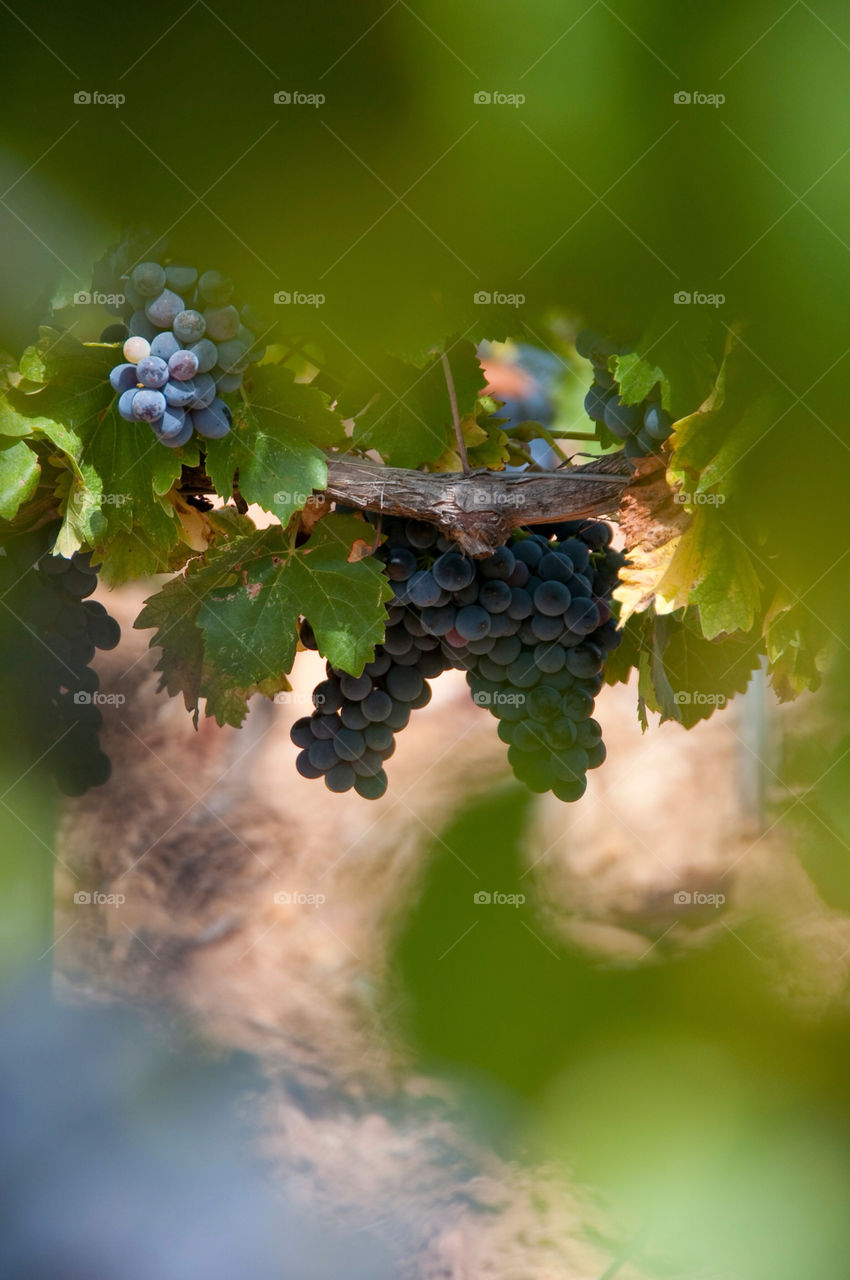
x=187 y=343
x=50 y=679
x=530 y=624
x=352 y=730
x=642 y=427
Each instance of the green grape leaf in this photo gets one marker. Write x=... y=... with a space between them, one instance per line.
x=796 y=646
x=685 y=677
x=227 y=626
x=404 y=412
x=67 y=380
x=19 y=475
x=276 y=443
x=674 y=357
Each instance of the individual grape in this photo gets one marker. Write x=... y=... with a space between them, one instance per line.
x=123 y=377
x=545 y=627
x=657 y=422
x=152 y=372
x=500 y=565
x=596 y=402
x=596 y=755
x=233 y=355
x=340 y=778
x=355 y=687
x=327 y=697
x=215 y=288
x=207 y=354
x=453 y=572
x=104 y=632
x=544 y=702
x=622 y=420
x=555 y=567
x=125 y=405
x=163 y=310
x=305 y=766
x=423 y=589
x=522 y=604
x=404 y=684
x=419 y=534
x=372 y=787
x=398 y=641
x=431 y=664
x=562 y=733
x=189 y=326
x=222 y=323
x=213 y=422
x=401 y=564
x=164 y=345
x=179 y=394
x=349 y=744
x=377 y=705
x=529 y=552
x=301 y=733
x=472 y=622
x=552 y=598
x=228 y=382
x=422 y=698
x=141 y=327
x=148 y=279
x=180 y=278
x=182 y=437
x=440 y=619
x=172 y=423
x=324 y=727
x=586 y=660
x=399 y=716
x=549 y=657
x=582 y=616
x=183 y=365
x=322 y=754
x=577 y=553
x=149 y=405
x=495 y=596
x=135 y=349
x=646 y=442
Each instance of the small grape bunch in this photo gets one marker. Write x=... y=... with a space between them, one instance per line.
x=643 y=427
x=184 y=351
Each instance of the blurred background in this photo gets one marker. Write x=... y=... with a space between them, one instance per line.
x=640 y=1068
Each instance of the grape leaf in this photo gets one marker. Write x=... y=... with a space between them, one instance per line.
x=404 y=412
x=276 y=443
x=796 y=646
x=676 y=357
x=19 y=475
x=227 y=626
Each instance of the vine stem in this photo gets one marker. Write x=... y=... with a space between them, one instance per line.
x=450 y=385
